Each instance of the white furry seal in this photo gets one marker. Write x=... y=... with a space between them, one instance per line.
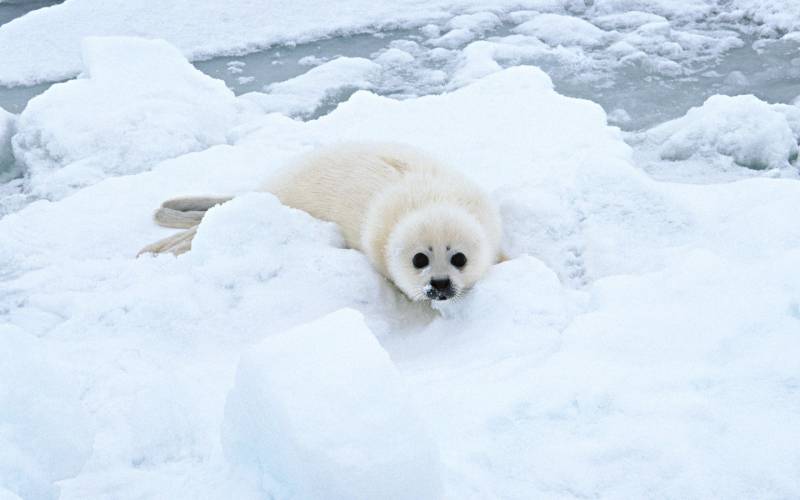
x=428 y=229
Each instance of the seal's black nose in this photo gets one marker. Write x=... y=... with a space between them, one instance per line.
x=441 y=285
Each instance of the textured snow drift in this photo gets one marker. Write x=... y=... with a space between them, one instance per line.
x=641 y=341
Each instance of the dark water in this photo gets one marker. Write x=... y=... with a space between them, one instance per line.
x=13 y=10
x=252 y=72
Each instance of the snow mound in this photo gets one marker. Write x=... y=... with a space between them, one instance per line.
x=519 y=293
x=139 y=102
x=302 y=95
x=562 y=30
x=247 y=222
x=320 y=412
x=258 y=248
x=44 y=432
x=465 y=28
x=753 y=133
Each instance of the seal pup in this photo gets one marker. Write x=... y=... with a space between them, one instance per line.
x=428 y=229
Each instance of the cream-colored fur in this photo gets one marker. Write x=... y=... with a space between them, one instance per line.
x=390 y=201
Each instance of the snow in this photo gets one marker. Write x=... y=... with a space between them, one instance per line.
x=302 y=95
x=562 y=30
x=743 y=129
x=45 y=44
x=641 y=340
x=394 y=56
x=465 y=28
x=772 y=17
x=139 y=102
x=45 y=434
x=319 y=411
x=627 y=20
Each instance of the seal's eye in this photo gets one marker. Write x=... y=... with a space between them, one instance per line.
x=420 y=260
x=459 y=260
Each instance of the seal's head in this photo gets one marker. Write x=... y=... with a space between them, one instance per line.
x=437 y=252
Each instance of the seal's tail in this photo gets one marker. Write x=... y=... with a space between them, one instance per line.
x=182 y=213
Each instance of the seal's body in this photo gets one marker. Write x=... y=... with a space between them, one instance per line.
x=428 y=229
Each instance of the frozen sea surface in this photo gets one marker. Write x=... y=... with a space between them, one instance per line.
x=640 y=342
x=644 y=64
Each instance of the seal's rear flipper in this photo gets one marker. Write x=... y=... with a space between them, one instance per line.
x=183 y=213
x=175 y=244
x=186 y=212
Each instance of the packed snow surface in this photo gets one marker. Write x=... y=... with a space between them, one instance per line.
x=641 y=340
x=320 y=412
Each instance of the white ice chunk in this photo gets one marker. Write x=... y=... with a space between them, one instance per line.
x=619 y=116
x=303 y=94
x=752 y=132
x=320 y=412
x=394 y=57
x=627 y=20
x=556 y=29
x=140 y=102
x=482 y=58
x=465 y=28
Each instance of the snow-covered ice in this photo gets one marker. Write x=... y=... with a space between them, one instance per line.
x=139 y=102
x=320 y=412
x=45 y=44
x=621 y=54
x=640 y=342
x=562 y=30
x=302 y=95
x=724 y=135
x=640 y=330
